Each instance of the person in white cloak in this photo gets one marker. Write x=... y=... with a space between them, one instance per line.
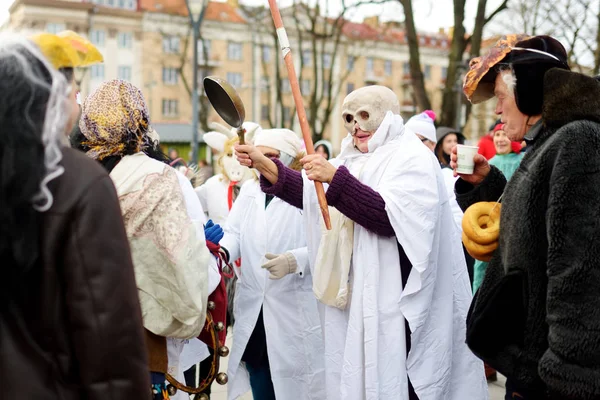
x=391 y=273
x=277 y=348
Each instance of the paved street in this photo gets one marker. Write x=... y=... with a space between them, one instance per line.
x=220 y=392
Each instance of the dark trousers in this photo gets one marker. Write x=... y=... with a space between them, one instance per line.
x=205 y=365
x=517 y=392
x=260 y=381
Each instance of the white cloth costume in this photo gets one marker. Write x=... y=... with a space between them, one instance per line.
x=291 y=320
x=365 y=351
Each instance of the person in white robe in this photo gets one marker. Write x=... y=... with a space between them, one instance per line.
x=277 y=343
x=390 y=274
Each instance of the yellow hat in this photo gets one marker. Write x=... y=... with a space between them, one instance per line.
x=59 y=51
x=88 y=53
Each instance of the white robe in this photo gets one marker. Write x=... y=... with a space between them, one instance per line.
x=365 y=352
x=213 y=197
x=291 y=319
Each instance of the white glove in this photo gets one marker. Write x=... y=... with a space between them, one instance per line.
x=279 y=265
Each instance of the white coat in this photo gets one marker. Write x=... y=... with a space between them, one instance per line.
x=213 y=198
x=365 y=351
x=291 y=319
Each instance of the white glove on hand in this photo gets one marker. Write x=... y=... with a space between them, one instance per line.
x=280 y=265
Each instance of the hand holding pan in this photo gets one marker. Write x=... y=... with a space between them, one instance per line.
x=226 y=102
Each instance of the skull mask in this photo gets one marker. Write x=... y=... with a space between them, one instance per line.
x=367 y=107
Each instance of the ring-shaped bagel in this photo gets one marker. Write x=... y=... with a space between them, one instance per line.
x=478 y=251
x=481 y=222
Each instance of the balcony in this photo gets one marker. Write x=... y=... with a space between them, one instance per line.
x=213 y=60
x=373 y=79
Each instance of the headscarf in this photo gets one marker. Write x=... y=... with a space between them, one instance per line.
x=115 y=120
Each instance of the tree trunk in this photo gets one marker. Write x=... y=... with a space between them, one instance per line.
x=597 y=52
x=457 y=49
x=417 y=78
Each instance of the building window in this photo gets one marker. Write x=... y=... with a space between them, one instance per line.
x=234 y=51
x=285 y=85
x=171 y=44
x=125 y=40
x=350 y=64
x=326 y=60
x=287 y=113
x=406 y=69
x=388 y=67
x=422 y=40
x=97 y=37
x=204 y=47
x=349 y=88
x=427 y=72
x=444 y=72
x=124 y=73
x=444 y=43
x=434 y=42
x=266 y=54
x=169 y=108
x=264 y=83
x=55 y=28
x=97 y=71
x=170 y=76
x=264 y=113
x=305 y=87
x=306 y=57
x=234 y=79
x=370 y=65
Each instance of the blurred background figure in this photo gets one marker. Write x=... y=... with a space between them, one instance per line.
x=447 y=138
x=324 y=148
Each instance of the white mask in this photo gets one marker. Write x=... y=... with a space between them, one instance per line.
x=367 y=107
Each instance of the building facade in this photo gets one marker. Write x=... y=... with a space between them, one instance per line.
x=149 y=42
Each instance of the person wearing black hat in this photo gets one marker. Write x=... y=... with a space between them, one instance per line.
x=536 y=316
x=447 y=138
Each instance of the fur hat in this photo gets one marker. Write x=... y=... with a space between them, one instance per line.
x=539 y=54
x=422 y=124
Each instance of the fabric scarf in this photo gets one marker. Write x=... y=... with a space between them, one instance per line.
x=172 y=279
x=334 y=256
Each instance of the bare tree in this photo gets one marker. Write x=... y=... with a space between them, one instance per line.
x=460 y=41
x=323 y=38
x=185 y=58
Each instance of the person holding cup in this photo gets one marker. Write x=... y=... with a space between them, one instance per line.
x=535 y=316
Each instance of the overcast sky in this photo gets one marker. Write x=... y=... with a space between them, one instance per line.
x=428 y=17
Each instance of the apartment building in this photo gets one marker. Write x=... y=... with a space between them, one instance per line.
x=149 y=42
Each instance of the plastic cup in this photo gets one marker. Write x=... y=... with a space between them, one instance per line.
x=465 y=156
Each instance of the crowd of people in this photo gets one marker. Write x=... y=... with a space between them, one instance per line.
x=112 y=260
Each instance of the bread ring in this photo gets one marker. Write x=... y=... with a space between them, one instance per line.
x=479 y=251
x=481 y=222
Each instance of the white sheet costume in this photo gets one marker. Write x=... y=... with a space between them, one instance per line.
x=365 y=351
x=293 y=333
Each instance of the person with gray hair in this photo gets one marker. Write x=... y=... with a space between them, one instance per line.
x=70 y=321
x=535 y=317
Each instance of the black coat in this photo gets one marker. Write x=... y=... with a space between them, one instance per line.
x=550 y=232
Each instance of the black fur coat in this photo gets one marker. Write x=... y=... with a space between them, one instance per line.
x=550 y=232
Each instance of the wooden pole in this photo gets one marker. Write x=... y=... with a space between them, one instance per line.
x=284 y=43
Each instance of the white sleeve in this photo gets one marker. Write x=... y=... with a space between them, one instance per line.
x=457 y=213
x=301 y=256
x=196 y=214
x=232 y=228
x=202 y=193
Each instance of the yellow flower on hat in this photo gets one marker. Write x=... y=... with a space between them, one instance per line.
x=88 y=53
x=59 y=51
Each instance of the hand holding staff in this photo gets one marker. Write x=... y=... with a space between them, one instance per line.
x=289 y=63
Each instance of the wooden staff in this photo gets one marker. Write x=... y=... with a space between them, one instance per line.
x=284 y=43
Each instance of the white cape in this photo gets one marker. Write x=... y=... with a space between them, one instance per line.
x=365 y=351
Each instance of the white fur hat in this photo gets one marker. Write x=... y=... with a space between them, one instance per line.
x=283 y=140
x=422 y=124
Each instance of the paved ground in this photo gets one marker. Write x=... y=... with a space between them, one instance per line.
x=220 y=392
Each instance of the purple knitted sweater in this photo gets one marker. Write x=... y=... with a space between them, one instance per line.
x=352 y=198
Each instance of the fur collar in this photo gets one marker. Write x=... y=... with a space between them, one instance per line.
x=568 y=97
